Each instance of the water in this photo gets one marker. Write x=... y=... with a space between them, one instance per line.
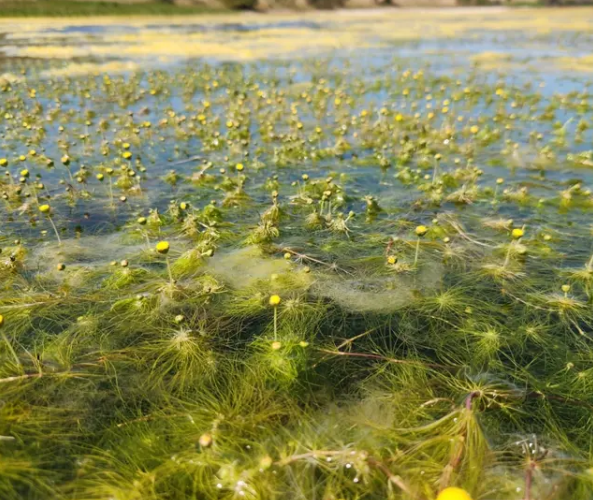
x=413 y=187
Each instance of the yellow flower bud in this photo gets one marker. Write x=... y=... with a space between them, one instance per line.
x=162 y=247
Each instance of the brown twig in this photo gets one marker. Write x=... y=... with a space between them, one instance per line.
x=392 y=478
x=457 y=454
x=372 y=461
x=529 y=479
x=356 y=337
x=302 y=256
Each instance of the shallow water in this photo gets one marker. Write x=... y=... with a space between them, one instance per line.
x=377 y=281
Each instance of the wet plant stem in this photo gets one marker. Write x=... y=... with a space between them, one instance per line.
x=529 y=479
x=508 y=256
x=10 y=348
x=172 y=281
x=417 y=252
x=111 y=193
x=51 y=221
x=275 y=323
x=435 y=170
x=589 y=265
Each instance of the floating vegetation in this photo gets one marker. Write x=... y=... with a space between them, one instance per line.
x=294 y=280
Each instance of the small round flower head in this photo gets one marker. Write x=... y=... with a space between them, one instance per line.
x=1 y=320
x=25 y=173
x=44 y=209
x=100 y=177
x=141 y=220
x=162 y=247
x=517 y=233
x=500 y=180
x=453 y=493
x=124 y=263
x=66 y=160
x=3 y=162
x=421 y=230
x=60 y=267
x=126 y=155
x=566 y=288
x=287 y=255
x=240 y=167
x=184 y=205
x=275 y=300
x=205 y=440
x=391 y=260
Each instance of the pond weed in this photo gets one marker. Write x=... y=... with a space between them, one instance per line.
x=317 y=283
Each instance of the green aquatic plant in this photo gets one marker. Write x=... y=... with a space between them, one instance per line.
x=438 y=347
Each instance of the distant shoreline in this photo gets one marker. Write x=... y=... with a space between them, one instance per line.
x=92 y=8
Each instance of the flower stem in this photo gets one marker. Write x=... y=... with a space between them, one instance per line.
x=275 y=323
x=417 y=251
x=169 y=271
x=55 y=229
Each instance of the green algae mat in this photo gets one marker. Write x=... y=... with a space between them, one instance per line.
x=318 y=257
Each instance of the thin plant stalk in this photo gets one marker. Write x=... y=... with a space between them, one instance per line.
x=51 y=221
x=417 y=252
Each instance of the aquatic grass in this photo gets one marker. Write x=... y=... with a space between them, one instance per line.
x=313 y=285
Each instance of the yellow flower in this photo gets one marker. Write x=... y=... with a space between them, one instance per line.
x=517 y=233
x=1 y=320
x=44 y=209
x=24 y=173
x=3 y=162
x=454 y=494
x=276 y=345
x=142 y=221
x=474 y=129
x=205 y=440
x=275 y=300
x=162 y=247
x=126 y=155
x=392 y=259
x=421 y=230
x=239 y=167
x=566 y=288
x=100 y=177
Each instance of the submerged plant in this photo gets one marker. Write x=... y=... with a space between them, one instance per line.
x=437 y=348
